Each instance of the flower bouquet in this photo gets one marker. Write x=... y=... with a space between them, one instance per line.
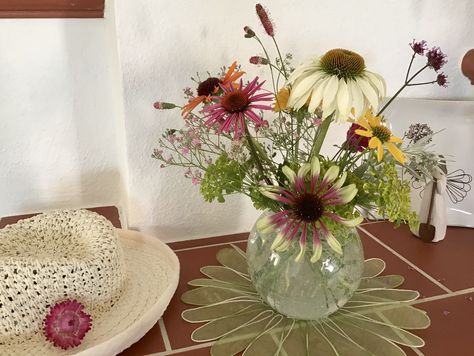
x=240 y=134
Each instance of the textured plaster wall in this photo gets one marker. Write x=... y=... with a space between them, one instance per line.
x=60 y=115
x=162 y=43
x=71 y=136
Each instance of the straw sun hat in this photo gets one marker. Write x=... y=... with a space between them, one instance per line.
x=74 y=264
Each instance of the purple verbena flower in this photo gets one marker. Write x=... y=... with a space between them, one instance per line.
x=436 y=58
x=419 y=47
x=442 y=80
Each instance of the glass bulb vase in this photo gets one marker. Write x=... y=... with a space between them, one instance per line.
x=305 y=290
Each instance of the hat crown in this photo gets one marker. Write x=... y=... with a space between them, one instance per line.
x=67 y=254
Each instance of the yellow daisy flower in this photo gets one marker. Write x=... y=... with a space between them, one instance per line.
x=380 y=136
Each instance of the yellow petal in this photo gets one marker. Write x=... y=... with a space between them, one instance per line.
x=281 y=100
x=396 y=139
x=377 y=120
x=363 y=133
x=374 y=142
x=363 y=122
x=379 y=151
x=395 y=151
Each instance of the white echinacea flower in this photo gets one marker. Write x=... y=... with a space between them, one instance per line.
x=338 y=83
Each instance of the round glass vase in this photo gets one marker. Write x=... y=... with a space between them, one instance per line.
x=305 y=290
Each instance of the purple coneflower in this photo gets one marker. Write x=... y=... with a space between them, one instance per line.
x=307 y=208
x=235 y=105
x=67 y=324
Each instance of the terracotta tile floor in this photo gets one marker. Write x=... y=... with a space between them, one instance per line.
x=442 y=272
x=446 y=294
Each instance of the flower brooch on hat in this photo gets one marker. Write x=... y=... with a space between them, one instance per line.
x=67 y=324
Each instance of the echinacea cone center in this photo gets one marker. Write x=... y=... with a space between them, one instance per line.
x=343 y=63
x=308 y=207
x=382 y=133
x=208 y=86
x=235 y=101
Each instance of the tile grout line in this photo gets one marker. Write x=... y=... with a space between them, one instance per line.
x=411 y=264
x=183 y=349
x=211 y=245
x=164 y=335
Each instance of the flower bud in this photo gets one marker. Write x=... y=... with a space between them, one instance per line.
x=258 y=60
x=248 y=32
x=159 y=105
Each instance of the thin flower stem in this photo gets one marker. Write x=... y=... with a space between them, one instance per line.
x=255 y=155
x=424 y=83
x=276 y=68
x=409 y=67
x=269 y=61
x=400 y=90
x=281 y=58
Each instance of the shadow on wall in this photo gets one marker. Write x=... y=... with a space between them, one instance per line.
x=61 y=192
x=93 y=67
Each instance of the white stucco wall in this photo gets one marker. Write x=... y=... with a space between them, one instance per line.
x=162 y=43
x=60 y=115
x=71 y=136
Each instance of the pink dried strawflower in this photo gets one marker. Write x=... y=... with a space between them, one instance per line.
x=67 y=324
x=265 y=20
x=258 y=60
x=419 y=47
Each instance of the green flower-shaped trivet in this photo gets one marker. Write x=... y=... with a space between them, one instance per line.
x=373 y=322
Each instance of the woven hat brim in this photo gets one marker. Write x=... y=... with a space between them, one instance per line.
x=152 y=278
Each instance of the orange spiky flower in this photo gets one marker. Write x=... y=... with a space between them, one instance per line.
x=211 y=86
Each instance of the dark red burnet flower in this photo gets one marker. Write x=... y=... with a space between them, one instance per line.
x=436 y=58
x=66 y=324
x=355 y=141
x=419 y=47
x=258 y=60
x=265 y=20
